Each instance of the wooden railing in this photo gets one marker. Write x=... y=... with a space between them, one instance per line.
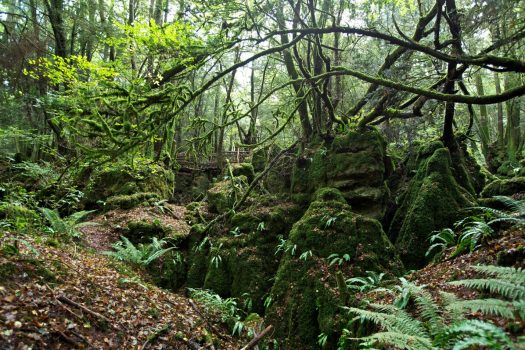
x=212 y=161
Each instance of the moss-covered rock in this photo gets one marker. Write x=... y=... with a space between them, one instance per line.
x=354 y=163
x=131 y=200
x=306 y=298
x=243 y=263
x=124 y=179
x=142 y=231
x=434 y=200
x=505 y=187
x=222 y=195
x=21 y=217
x=244 y=169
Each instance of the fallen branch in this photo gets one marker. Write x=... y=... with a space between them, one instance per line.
x=258 y=338
x=68 y=301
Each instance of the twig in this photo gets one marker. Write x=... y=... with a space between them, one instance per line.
x=66 y=300
x=258 y=338
x=68 y=339
x=193 y=345
x=212 y=327
x=81 y=337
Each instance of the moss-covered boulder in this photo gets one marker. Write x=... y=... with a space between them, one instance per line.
x=243 y=169
x=124 y=179
x=131 y=200
x=504 y=187
x=433 y=201
x=305 y=297
x=354 y=163
x=223 y=194
x=243 y=262
x=143 y=231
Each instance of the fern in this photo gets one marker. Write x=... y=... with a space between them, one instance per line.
x=398 y=340
x=141 y=255
x=512 y=274
x=68 y=226
x=442 y=325
x=505 y=288
x=471 y=333
x=494 y=307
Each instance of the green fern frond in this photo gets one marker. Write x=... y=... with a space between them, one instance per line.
x=398 y=341
x=452 y=314
x=516 y=206
x=400 y=321
x=494 y=307
x=77 y=217
x=511 y=274
x=475 y=332
x=429 y=311
x=507 y=289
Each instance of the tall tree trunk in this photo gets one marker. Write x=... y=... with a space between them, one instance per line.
x=452 y=74
x=292 y=73
x=483 y=127
x=501 y=131
x=55 y=9
x=513 y=132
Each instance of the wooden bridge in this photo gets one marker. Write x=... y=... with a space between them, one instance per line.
x=211 y=162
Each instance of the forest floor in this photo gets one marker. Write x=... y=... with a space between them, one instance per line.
x=504 y=249
x=65 y=296
x=68 y=296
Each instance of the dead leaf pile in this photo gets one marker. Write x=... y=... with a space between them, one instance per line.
x=67 y=298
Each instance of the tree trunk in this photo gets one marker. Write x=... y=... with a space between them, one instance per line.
x=483 y=127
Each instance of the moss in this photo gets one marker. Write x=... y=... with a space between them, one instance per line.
x=354 y=163
x=131 y=201
x=222 y=195
x=433 y=201
x=21 y=217
x=259 y=159
x=305 y=293
x=218 y=277
x=142 y=231
x=123 y=179
x=506 y=169
x=196 y=257
x=507 y=187
x=244 y=169
x=171 y=271
x=248 y=261
x=329 y=194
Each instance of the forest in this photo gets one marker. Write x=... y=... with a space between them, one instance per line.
x=262 y=174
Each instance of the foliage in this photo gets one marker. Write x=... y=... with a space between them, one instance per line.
x=339 y=260
x=141 y=255
x=441 y=323
x=441 y=240
x=474 y=230
x=69 y=226
x=363 y=284
x=224 y=308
